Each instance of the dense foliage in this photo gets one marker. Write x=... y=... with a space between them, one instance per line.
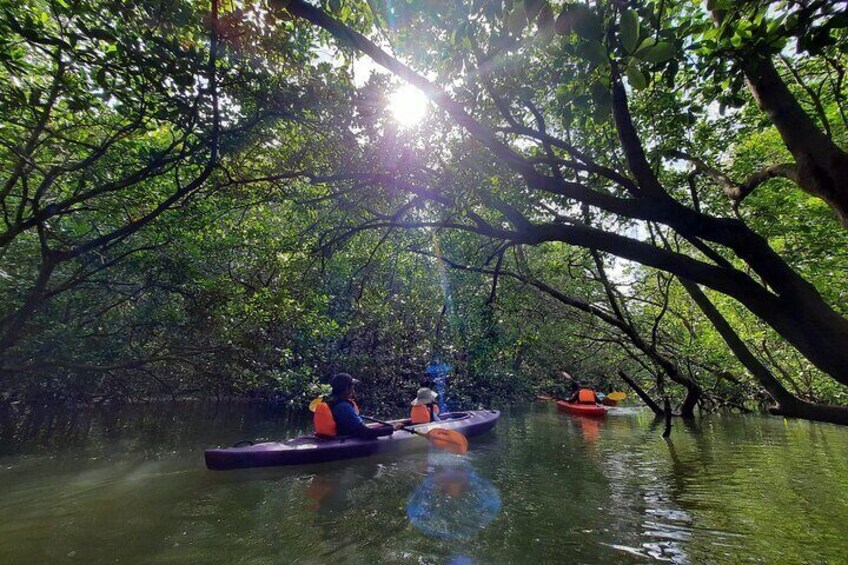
x=213 y=198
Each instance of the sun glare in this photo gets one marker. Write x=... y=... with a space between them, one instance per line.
x=408 y=105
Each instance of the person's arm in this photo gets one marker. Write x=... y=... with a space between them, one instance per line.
x=373 y=433
x=348 y=422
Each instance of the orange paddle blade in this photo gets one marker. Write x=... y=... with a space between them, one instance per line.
x=449 y=440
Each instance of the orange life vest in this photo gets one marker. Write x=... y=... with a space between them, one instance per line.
x=325 y=424
x=586 y=396
x=421 y=413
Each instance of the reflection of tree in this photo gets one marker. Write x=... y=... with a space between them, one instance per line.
x=453 y=501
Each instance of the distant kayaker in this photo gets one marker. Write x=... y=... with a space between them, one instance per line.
x=339 y=415
x=424 y=407
x=583 y=395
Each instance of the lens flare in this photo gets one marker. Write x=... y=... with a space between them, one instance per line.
x=408 y=105
x=453 y=501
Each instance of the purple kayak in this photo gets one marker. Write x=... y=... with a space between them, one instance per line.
x=313 y=449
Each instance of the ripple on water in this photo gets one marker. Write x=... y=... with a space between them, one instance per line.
x=727 y=489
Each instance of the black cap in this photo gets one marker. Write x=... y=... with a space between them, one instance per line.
x=341 y=381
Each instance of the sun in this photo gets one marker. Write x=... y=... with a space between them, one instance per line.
x=408 y=105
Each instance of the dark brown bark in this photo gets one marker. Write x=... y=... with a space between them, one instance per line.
x=640 y=392
x=788 y=303
x=693 y=395
x=822 y=165
x=13 y=324
x=736 y=191
x=787 y=404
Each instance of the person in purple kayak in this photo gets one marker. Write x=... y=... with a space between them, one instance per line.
x=346 y=413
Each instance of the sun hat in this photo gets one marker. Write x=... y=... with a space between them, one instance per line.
x=424 y=396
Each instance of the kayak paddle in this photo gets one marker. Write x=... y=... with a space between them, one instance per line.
x=617 y=396
x=449 y=440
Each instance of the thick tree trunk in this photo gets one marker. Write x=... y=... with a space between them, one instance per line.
x=667 y=410
x=822 y=166
x=687 y=409
x=11 y=326
x=809 y=411
x=787 y=403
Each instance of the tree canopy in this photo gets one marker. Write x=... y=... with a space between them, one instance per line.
x=215 y=197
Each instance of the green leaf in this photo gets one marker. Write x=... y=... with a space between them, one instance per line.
x=637 y=78
x=595 y=52
x=838 y=21
x=659 y=53
x=629 y=30
x=545 y=21
x=589 y=25
x=101 y=34
x=516 y=21
x=602 y=112
x=532 y=8
x=565 y=21
x=579 y=19
x=719 y=4
x=645 y=46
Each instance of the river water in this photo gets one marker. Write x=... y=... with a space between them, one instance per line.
x=129 y=486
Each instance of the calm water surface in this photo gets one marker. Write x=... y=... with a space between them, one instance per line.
x=129 y=486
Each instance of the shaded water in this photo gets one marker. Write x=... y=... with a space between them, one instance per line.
x=130 y=487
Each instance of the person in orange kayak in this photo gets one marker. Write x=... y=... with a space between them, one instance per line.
x=339 y=415
x=424 y=407
x=583 y=395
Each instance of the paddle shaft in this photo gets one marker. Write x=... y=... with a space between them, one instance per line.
x=404 y=428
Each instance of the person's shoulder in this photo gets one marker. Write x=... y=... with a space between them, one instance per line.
x=343 y=405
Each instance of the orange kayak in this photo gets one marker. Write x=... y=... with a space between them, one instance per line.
x=582 y=409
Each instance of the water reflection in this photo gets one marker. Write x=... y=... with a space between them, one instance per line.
x=591 y=428
x=453 y=501
x=130 y=486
